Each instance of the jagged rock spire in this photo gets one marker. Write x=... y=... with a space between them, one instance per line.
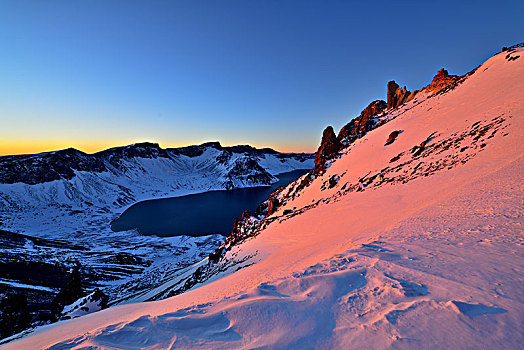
x=396 y=95
x=329 y=147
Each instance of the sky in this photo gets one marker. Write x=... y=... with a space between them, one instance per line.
x=98 y=74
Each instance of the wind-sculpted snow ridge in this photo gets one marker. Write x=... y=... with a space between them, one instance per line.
x=410 y=241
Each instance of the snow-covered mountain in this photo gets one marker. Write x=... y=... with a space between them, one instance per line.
x=123 y=175
x=406 y=234
x=56 y=209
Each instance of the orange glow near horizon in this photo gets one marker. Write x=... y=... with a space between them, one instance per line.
x=40 y=146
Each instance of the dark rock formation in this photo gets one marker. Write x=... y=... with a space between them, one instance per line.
x=441 y=82
x=397 y=96
x=14 y=314
x=214 y=257
x=392 y=137
x=70 y=292
x=512 y=47
x=45 y=167
x=417 y=150
x=333 y=181
x=101 y=298
x=363 y=123
x=272 y=205
x=329 y=147
x=95 y=301
x=248 y=169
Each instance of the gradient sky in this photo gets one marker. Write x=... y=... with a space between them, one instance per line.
x=95 y=74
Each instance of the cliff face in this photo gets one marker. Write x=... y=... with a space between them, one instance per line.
x=329 y=146
x=363 y=123
x=397 y=96
x=441 y=82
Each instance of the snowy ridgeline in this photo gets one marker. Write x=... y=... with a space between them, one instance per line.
x=125 y=175
x=411 y=242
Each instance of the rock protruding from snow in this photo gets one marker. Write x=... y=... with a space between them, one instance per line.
x=441 y=81
x=397 y=96
x=93 y=302
x=329 y=147
x=363 y=123
x=392 y=137
x=69 y=293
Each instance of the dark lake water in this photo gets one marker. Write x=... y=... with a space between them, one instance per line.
x=197 y=214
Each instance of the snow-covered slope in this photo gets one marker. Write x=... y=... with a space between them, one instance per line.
x=415 y=244
x=63 y=202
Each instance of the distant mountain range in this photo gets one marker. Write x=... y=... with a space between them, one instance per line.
x=124 y=175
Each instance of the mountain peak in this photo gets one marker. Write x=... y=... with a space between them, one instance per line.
x=441 y=81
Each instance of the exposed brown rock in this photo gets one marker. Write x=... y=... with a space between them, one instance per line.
x=329 y=147
x=397 y=96
x=272 y=205
x=392 y=137
x=363 y=123
x=441 y=81
x=245 y=215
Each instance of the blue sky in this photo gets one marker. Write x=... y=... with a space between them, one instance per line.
x=95 y=74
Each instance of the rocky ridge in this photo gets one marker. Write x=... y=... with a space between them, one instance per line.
x=373 y=116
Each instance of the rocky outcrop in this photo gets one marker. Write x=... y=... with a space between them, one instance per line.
x=93 y=302
x=392 y=137
x=272 y=205
x=69 y=293
x=329 y=147
x=247 y=169
x=14 y=314
x=441 y=82
x=397 y=96
x=363 y=123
